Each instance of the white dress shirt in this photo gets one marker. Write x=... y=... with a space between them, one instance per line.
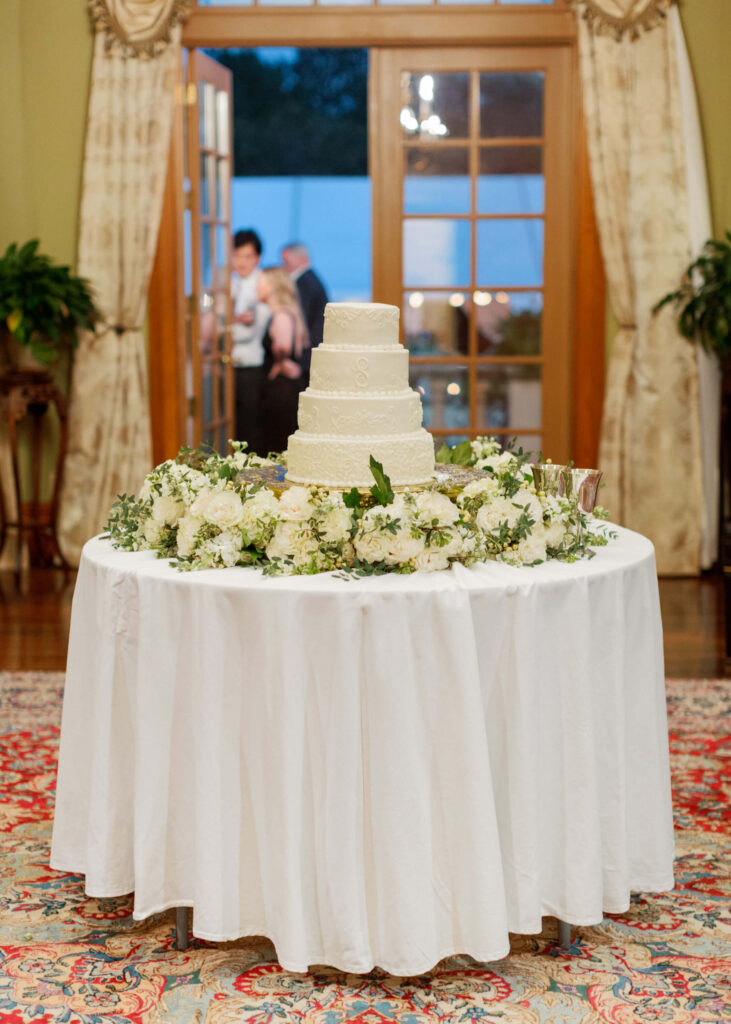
x=248 y=348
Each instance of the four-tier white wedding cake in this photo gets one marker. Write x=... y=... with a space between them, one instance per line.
x=359 y=404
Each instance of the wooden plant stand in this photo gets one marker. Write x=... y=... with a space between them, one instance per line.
x=23 y=393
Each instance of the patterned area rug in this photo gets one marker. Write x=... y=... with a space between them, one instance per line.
x=65 y=958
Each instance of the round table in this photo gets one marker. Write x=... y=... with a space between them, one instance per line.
x=382 y=771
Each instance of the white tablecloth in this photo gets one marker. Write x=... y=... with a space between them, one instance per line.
x=374 y=772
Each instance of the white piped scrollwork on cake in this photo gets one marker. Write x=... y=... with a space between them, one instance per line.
x=359 y=404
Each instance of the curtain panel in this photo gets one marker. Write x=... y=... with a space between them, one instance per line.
x=136 y=53
x=650 y=448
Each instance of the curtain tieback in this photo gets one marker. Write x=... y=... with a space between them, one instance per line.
x=628 y=327
x=120 y=329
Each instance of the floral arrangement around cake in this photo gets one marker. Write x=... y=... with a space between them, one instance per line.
x=203 y=511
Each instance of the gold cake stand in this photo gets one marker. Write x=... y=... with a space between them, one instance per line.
x=448 y=478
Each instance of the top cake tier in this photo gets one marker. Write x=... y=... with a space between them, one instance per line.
x=361 y=325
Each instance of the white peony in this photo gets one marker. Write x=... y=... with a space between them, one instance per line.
x=533 y=547
x=188 y=527
x=336 y=525
x=432 y=506
x=295 y=505
x=223 y=509
x=166 y=510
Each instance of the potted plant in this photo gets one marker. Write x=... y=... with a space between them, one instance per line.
x=43 y=306
x=703 y=305
x=703 y=301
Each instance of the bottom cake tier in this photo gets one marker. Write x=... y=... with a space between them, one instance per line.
x=344 y=462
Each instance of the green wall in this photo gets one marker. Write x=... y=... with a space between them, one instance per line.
x=707 y=27
x=45 y=64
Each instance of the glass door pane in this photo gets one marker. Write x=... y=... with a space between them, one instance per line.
x=210 y=377
x=484 y=195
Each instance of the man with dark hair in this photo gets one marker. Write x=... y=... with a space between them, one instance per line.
x=312 y=296
x=250 y=320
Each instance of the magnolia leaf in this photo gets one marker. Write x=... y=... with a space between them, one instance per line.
x=351 y=499
x=444 y=454
x=382 y=490
x=462 y=454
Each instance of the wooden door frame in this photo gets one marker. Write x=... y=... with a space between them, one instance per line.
x=315 y=26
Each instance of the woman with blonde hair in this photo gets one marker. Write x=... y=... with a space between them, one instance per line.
x=285 y=342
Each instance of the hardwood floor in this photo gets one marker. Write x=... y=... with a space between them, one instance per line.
x=35 y=611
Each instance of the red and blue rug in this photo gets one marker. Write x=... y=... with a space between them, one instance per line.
x=65 y=958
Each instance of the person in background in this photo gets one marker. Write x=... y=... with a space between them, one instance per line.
x=250 y=319
x=285 y=346
x=312 y=295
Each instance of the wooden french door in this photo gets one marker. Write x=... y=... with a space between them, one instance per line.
x=472 y=157
x=207 y=252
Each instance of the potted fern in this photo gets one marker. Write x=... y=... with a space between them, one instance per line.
x=43 y=306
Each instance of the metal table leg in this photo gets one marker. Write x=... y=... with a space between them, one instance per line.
x=182 y=925
x=564 y=933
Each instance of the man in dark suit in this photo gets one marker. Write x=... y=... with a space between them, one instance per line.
x=312 y=296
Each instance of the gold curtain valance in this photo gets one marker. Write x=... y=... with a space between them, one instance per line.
x=620 y=16
x=138 y=28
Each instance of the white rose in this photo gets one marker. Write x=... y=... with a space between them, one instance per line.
x=529 y=503
x=452 y=548
x=533 y=547
x=188 y=527
x=286 y=540
x=259 y=513
x=401 y=547
x=224 y=509
x=152 y=531
x=295 y=504
x=486 y=485
x=554 y=533
x=370 y=547
x=499 y=510
x=431 y=505
x=146 y=490
x=166 y=510
x=199 y=506
x=431 y=560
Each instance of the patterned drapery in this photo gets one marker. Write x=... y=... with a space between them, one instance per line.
x=650 y=441
x=136 y=52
